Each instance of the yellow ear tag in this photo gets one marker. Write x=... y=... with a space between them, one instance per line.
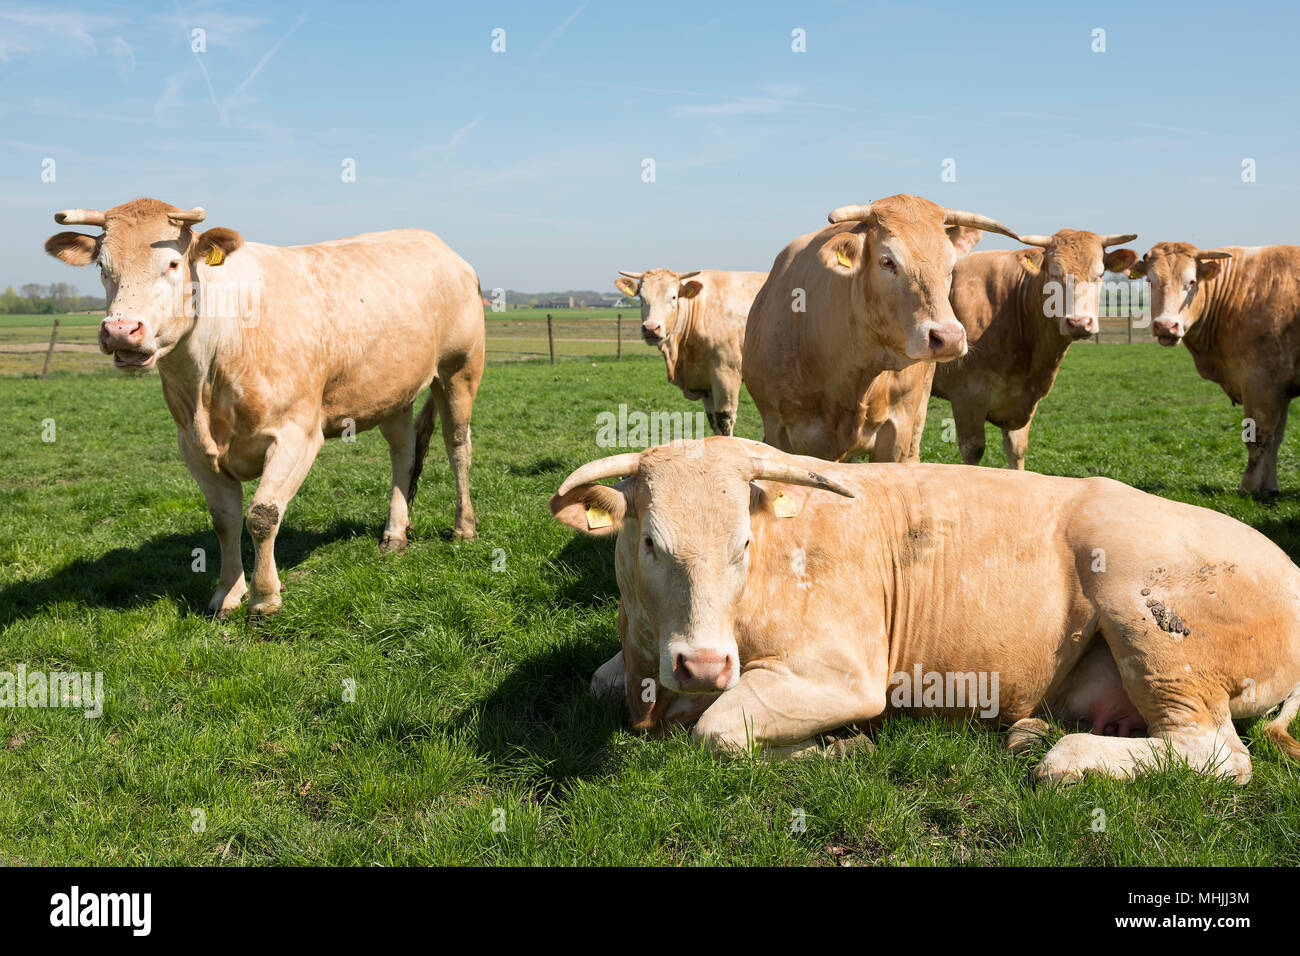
x=784 y=506
x=215 y=256
x=598 y=517
x=1030 y=263
x=1134 y=274
x=843 y=259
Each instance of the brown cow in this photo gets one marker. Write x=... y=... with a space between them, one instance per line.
x=1238 y=311
x=1021 y=309
x=767 y=598
x=697 y=320
x=842 y=338
x=264 y=352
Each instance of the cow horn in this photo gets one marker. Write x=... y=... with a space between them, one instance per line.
x=1212 y=254
x=79 y=217
x=631 y=275
x=615 y=466
x=1117 y=238
x=959 y=217
x=767 y=470
x=858 y=213
x=197 y=214
x=1041 y=241
x=687 y=275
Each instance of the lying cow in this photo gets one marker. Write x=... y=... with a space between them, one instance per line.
x=697 y=320
x=1021 y=309
x=264 y=352
x=841 y=339
x=768 y=598
x=1238 y=311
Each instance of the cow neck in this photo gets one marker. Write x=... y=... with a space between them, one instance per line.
x=187 y=373
x=1049 y=346
x=1203 y=336
x=672 y=345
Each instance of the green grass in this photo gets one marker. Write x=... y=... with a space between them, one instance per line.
x=471 y=683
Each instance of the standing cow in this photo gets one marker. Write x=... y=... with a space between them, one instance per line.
x=264 y=352
x=1021 y=309
x=767 y=598
x=697 y=320
x=1238 y=311
x=842 y=338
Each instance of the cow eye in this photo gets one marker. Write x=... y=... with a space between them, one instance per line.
x=649 y=545
x=888 y=265
x=174 y=265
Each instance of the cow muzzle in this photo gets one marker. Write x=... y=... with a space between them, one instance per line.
x=1079 y=326
x=127 y=339
x=938 y=342
x=652 y=333
x=1168 y=332
x=704 y=671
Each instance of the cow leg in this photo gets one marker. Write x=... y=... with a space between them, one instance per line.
x=970 y=432
x=225 y=498
x=610 y=679
x=1268 y=484
x=779 y=713
x=288 y=460
x=726 y=390
x=1215 y=750
x=399 y=431
x=454 y=394
x=1268 y=411
x=707 y=401
x=1015 y=442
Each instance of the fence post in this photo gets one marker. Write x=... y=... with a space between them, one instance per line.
x=49 y=353
x=620 y=336
x=550 y=337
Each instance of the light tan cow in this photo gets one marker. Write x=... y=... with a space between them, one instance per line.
x=1021 y=309
x=697 y=320
x=264 y=352
x=767 y=598
x=841 y=339
x=1238 y=311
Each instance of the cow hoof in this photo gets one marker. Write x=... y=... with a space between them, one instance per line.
x=844 y=746
x=392 y=544
x=263 y=609
x=1047 y=776
x=464 y=534
x=1024 y=734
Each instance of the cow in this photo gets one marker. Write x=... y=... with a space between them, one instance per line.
x=843 y=336
x=768 y=598
x=266 y=351
x=1237 y=309
x=1021 y=309
x=697 y=320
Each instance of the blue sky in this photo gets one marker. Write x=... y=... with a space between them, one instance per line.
x=529 y=162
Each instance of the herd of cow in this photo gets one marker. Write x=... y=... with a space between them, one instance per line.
x=773 y=593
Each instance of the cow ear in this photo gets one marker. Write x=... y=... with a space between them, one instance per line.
x=1030 y=259
x=1138 y=269
x=1207 y=268
x=597 y=510
x=626 y=286
x=843 y=253
x=74 y=248
x=691 y=288
x=1119 y=260
x=214 y=245
x=963 y=238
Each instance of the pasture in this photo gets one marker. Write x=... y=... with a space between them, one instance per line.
x=472 y=737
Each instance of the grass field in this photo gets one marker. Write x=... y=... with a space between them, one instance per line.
x=472 y=737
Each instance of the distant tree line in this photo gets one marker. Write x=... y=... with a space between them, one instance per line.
x=37 y=299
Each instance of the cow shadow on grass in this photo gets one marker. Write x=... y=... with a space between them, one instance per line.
x=544 y=718
x=161 y=566
x=592 y=560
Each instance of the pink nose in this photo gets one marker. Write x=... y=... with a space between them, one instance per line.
x=117 y=334
x=1080 y=326
x=947 y=341
x=704 y=670
x=1165 y=328
x=652 y=328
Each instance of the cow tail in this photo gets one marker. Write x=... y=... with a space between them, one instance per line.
x=1277 y=727
x=423 y=430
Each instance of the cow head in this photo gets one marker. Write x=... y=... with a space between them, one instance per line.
x=662 y=291
x=899 y=257
x=1177 y=272
x=687 y=507
x=148 y=257
x=1071 y=267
